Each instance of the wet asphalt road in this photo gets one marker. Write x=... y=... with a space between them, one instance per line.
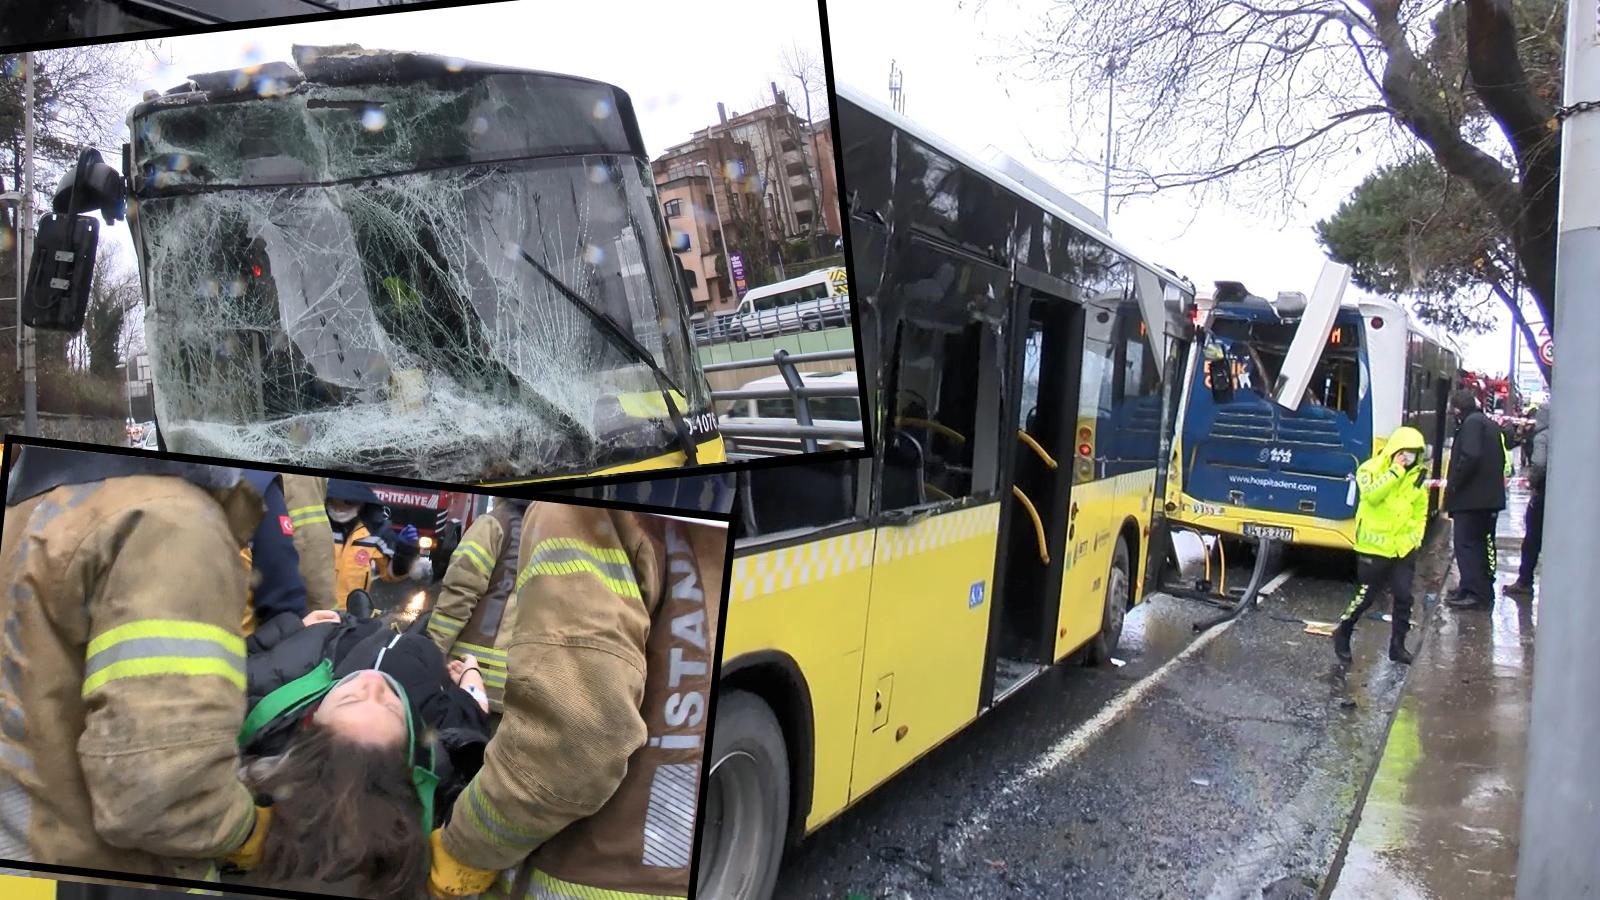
x=1233 y=773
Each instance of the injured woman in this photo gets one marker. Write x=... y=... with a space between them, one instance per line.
x=359 y=737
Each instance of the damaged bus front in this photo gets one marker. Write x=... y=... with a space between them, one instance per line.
x=409 y=265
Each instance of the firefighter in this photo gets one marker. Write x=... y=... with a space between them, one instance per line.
x=1391 y=519
x=478 y=595
x=365 y=541
x=590 y=782
x=123 y=673
x=307 y=496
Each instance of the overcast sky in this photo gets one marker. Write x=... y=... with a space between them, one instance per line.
x=677 y=62
x=953 y=86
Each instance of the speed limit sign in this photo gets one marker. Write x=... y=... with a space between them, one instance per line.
x=1547 y=352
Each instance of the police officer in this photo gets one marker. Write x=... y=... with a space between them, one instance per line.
x=1533 y=535
x=589 y=785
x=1391 y=520
x=1474 y=495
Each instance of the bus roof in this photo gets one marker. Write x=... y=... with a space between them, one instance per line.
x=989 y=171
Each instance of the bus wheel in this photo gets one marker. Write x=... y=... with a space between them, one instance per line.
x=1118 y=582
x=746 y=814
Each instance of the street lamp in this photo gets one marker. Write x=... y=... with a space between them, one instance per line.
x=716 y=209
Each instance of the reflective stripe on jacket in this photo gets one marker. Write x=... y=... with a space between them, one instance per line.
x=478 y=601
x=1392 y=515
x=122 y=687
x=307 y=498
x=643 y=782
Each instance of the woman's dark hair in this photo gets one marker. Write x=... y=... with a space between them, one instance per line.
x=342 y=812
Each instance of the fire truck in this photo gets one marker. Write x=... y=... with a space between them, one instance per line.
x=440 y=517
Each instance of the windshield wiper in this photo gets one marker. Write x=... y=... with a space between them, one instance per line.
x=630 y=347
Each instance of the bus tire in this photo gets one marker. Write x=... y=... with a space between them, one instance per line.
x=1119 y=582
x=746 y=816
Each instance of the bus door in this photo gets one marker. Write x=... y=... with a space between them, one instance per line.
x=937 y=505
x=1042 y=416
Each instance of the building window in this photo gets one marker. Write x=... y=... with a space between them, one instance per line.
x=672 y=208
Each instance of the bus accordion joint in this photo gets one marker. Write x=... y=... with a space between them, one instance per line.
x=1038 y=525
x=1033 y=445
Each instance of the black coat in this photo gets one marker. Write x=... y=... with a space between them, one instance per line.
x=1477 y=467
x=447 y=719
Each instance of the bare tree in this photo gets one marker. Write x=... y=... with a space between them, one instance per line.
x=1257 y=98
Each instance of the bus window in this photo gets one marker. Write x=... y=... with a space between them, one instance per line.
x=809 y=495
x=1095 y=388
x=944 y=378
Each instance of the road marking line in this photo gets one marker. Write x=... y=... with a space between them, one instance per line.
x=1073 y=744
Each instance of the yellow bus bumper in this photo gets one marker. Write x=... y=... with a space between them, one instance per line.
x=1309 y=531
x=711 y=450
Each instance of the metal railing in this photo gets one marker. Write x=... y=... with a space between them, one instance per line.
x=786 y=437
x=808 y=315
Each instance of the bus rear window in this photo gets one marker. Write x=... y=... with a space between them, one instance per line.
x=1257 y=350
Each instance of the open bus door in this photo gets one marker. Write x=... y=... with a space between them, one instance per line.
x=1311 y=336
x=1045 y=362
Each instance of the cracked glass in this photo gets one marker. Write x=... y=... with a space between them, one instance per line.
x=382 y=276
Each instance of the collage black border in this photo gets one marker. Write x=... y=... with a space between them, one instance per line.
x=552 y=489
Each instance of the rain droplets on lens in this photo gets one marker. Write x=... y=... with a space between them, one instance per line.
x=602 y=109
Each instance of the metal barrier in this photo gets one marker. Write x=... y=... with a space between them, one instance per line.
x=783 y=437
x=810 y=315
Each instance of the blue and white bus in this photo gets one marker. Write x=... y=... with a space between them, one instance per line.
x=1256 y=455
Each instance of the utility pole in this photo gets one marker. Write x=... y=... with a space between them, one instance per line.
x=896 y=88
x=1514 y=378
x=1560 y=809
x=716 y=209
x=30 y=370
x=1111 y=100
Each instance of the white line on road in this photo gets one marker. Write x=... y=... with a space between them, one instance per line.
x=1073 y=744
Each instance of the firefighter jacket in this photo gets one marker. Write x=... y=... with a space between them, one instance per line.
x=478 y=596
x=1392 y=516
x=307 y=498
x=358 y=552
x=589 y=785
x=123 y=674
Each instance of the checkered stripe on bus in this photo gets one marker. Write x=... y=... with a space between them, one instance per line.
x=760 y=574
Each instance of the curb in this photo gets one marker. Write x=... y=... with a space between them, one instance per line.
x=1422 y=627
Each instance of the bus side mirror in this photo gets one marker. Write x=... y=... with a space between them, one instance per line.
x=1220 y=376
x=61 y=268
x=61 y=273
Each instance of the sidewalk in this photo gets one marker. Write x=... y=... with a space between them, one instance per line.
x=1443 y=814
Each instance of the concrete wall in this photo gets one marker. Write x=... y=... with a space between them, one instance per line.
x=86 y=429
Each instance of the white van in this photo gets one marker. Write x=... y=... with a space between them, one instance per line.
x=828 y=412
x=809 y=302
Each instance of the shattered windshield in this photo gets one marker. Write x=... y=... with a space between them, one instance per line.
x=308 y=306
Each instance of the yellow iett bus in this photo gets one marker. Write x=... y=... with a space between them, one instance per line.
x=1018 y=365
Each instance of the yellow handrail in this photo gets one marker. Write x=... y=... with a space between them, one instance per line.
x=1027 y=438
x=1038 y=525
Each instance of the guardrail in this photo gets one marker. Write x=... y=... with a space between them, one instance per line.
x=784 y=437
x=812 y=316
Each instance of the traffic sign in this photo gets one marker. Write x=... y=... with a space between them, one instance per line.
x=1547 y=352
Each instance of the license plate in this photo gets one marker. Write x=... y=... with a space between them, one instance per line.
x=1270 y=532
